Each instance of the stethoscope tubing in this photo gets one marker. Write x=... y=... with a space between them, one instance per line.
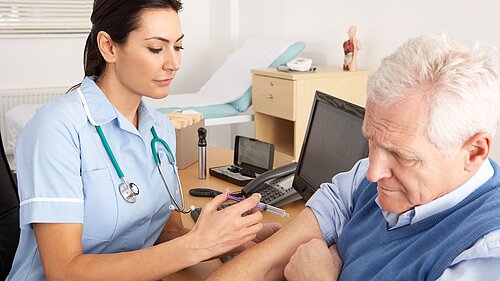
x=178 y=207
x=128 y=193
x=110 y=153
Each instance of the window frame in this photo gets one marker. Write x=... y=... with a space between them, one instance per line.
x=45 y=17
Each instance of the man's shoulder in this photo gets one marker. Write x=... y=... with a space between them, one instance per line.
x=486 y=247
x=490 y=243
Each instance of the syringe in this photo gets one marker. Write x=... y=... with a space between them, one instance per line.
x=264 y=207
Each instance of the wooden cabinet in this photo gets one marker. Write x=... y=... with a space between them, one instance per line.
x=282 y=103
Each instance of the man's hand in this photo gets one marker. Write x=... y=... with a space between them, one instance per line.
x=314 y=261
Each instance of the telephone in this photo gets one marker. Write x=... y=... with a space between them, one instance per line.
x=300 y=64
x=275 y=186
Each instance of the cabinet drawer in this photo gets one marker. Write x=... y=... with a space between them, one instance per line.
x=274 y=96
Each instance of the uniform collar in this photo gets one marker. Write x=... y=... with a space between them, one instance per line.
x=98 y=108
x=146 y=119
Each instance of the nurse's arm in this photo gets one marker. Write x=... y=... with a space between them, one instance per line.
x=62 y=259
x=60 y=246
x=173 y=228
x=267 y=260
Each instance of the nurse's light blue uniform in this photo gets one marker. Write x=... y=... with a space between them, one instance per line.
x=65 y=176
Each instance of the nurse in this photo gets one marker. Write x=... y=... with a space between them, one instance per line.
x=79 y=221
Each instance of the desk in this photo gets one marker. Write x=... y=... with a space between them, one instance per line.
x=189 y=179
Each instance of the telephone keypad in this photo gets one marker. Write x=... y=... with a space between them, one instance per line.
x=273 y=191
x=269 y=193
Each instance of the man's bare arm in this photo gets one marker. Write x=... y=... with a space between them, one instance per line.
x=267 y=260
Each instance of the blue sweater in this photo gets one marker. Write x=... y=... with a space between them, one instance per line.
x=420 y=251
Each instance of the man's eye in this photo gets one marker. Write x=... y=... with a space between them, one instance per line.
x=406 y=162
x=155 y=50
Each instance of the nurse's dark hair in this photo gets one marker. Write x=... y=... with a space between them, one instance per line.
x=117 y=18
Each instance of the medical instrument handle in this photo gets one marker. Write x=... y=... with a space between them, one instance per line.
x=202 y=153
x=110 y=153
x=203 y=192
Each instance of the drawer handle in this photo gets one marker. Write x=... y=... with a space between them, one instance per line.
x=270 y=96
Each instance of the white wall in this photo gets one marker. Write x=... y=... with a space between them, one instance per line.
x=54 y=61
x=215 y=28
x=383 y=25
x=195 y=20
x=41 y=61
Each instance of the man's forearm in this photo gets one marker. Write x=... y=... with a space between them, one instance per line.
x=267 y=260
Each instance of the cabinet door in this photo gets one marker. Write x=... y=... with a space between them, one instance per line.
x=274 y=96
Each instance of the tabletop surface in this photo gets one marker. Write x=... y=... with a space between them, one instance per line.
x=189 y=179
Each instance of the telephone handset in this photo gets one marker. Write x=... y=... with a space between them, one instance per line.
x=300 y=64
x=275 y=186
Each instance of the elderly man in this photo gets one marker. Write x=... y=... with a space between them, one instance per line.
x=425 y=205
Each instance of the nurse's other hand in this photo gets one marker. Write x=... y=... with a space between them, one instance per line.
x=326 y=261
x=268 y=229
x=217 y=232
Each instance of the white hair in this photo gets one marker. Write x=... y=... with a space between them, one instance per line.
x=459 y=79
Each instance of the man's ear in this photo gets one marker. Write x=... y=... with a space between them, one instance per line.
x=477 y=150
x=106 y=46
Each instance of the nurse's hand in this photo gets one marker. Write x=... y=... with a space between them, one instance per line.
x=218 y=232
x=268 y=229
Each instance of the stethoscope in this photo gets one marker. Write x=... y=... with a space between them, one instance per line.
x=130 y=191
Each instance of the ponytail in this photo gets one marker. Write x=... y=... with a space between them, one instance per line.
x=93 y=61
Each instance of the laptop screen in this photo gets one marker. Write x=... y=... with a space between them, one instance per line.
x=333 y=143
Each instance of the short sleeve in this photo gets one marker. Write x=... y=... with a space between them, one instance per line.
x=332 y=203
x=479 y=262
x=48 y=170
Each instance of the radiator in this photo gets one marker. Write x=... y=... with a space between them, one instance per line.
x=12 y=98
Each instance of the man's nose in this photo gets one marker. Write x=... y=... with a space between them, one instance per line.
x=379 y=165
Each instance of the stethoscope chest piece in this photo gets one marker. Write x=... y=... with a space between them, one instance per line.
x=129 y=191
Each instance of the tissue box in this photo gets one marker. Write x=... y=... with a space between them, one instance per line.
x=186 y=126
